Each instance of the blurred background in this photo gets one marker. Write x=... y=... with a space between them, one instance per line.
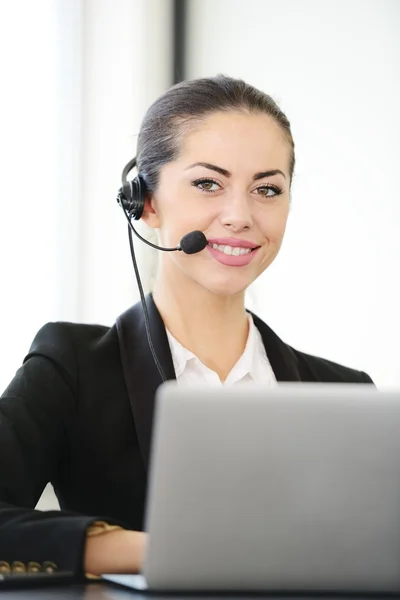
x=76 y=79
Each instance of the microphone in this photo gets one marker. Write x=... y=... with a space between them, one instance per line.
x=193 y=242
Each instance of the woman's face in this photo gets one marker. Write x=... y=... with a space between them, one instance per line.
x=231 y=181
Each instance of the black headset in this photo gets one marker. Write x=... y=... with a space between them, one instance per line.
x=132 y=194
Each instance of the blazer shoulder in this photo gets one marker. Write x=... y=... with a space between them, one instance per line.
x=62 y=342
x=59 y=333
x=316 y=368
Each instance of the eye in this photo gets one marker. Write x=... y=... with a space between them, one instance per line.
x=264 y=189
x=206 y=185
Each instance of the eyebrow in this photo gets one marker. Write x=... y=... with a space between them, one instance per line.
x=226 y=173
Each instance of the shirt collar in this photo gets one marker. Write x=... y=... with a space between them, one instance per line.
x=181 y=355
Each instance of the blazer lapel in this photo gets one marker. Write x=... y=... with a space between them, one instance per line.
x=140 y=371
x=281 y=356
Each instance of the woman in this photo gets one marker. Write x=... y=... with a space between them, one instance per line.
x=216 y=155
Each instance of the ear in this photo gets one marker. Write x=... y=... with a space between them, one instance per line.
x=150 y=214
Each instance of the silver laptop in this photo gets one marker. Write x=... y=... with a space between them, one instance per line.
x=291 y=489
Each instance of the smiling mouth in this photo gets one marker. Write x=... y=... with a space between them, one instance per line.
x=232 y=250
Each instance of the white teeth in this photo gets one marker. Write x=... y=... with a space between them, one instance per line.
x=231 y=250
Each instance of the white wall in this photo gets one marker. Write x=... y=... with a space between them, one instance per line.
x=77 y=77
x=29 y=152
x=333 y=67
x=127 y=50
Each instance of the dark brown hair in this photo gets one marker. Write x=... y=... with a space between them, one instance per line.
x=191 y=101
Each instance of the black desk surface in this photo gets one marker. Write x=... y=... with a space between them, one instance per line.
x=105 y=591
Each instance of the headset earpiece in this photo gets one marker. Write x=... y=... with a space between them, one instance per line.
x=137 y=197
x=132 y=194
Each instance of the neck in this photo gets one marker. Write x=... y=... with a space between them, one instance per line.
x=212 y=326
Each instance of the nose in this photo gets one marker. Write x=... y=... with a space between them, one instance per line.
x=236 y=215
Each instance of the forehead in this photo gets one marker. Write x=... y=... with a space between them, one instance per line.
x=232 y=139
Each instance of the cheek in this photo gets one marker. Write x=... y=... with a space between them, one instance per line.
x=273 y=225
x=181 y=217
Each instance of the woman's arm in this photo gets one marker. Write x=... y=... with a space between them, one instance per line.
x=37 y=413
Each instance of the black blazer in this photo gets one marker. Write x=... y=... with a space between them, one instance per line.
x=78 y=414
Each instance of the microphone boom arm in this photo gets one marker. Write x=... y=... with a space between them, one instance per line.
x=147 y=241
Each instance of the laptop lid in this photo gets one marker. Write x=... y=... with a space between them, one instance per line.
x=295 y=488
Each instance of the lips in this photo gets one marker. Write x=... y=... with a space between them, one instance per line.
x=233 y=260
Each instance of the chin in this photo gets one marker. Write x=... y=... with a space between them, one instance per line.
x=227 y=286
